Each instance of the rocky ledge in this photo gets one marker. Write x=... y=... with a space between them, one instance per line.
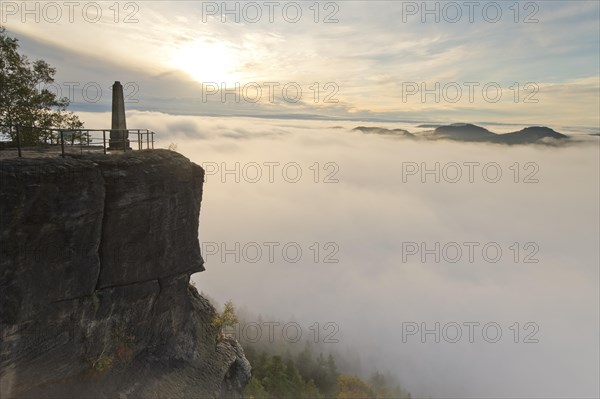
x=96 y=252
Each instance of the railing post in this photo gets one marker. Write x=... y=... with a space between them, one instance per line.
x=104 y=141
x=18 y=141
x=152 y=133
x=147 y=140
x=62 y=143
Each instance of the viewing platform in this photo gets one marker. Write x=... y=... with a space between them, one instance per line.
x=38 y=141
x=65 y=141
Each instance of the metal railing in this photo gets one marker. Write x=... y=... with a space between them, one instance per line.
x=89 y=139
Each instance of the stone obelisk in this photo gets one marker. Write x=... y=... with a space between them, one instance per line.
x=119 y=137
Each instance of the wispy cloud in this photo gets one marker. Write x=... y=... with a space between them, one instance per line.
x=373 y=49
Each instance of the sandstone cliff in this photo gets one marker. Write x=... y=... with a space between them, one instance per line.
x=95 y=257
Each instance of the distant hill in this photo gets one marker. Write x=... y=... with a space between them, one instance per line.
x=472 y=133
x=464 y=132
x=469 y=132
x=383 y=131
x=429 y=126
x=532 y=134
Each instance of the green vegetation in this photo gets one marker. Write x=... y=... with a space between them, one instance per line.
x=117 y=349
x=103 y=362
x=353 y=387
x=310 y=376
x=225 y=319
x=291 y=370
x=282 y=369
x=274 y=377
x=25 y=99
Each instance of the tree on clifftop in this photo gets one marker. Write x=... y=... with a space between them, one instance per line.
x=24 y=101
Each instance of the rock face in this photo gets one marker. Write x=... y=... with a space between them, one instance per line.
x=95 y=258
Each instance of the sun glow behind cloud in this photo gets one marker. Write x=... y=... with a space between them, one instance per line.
x=206 y=60
x=368 y=63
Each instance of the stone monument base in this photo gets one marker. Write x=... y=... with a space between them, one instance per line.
x=117 y=145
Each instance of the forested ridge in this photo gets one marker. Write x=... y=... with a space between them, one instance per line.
x=284 y=368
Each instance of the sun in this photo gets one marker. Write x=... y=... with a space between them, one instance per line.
x=207 y=60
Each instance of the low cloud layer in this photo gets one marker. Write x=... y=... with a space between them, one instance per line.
x=377 y=206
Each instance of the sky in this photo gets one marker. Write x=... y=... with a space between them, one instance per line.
x=367 y=212
x=532 y=63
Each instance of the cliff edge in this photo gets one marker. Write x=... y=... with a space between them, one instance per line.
x=96 y=252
